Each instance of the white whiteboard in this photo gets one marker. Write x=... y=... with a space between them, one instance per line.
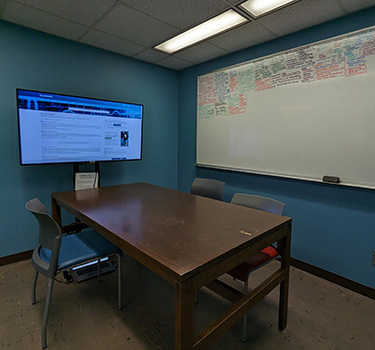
x=302 y=113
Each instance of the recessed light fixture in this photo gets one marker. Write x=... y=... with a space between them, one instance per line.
x=205 y=30
x=260 y=7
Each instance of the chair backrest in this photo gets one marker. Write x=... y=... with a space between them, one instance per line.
x=258 y=202
x=208 y=188
x=49 y=236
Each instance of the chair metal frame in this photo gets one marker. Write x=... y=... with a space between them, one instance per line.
x=50 y=237
x=261 y=203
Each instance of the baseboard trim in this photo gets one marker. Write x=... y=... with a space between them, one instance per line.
x=9 y=259
x=339 y=280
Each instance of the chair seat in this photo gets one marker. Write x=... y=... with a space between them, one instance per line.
x=81 y=247
x=241 y=271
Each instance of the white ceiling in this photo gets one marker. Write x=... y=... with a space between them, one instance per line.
x=133 y=27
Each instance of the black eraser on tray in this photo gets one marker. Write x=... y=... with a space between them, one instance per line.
x=331 y=179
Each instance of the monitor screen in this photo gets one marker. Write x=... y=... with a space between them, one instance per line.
x=56 y=128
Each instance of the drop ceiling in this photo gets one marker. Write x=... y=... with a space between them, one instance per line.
x=133 y=27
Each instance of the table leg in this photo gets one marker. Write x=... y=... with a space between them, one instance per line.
x=56 y=211
x=184 y=316
x=284 y=286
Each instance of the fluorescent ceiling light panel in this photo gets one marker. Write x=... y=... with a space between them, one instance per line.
x=205 y=30
x=260 y=7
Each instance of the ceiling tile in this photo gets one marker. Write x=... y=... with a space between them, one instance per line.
x=301 y=15
x=201 y=53
x=32 y=18
x=357 y=5
x=180 y=13
x=235 y=2
x=84 y=11
x=111 y=43
x=174 y=63
x=243 y=37
x=150 y=55
x=132 y=25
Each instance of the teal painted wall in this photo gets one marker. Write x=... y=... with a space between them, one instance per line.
x=38 y=61
x=333 y=227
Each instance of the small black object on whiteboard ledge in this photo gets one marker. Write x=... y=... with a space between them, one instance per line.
x=331 y=179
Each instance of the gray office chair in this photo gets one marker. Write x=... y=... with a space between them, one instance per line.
x=208 y=188
x=242 y=272
x=57 y=253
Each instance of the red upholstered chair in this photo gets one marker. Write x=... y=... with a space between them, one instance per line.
x=242 y=272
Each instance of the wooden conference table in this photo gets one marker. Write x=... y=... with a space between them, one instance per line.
x=187 y=240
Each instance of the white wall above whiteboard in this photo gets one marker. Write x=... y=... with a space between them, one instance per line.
x=302 y=113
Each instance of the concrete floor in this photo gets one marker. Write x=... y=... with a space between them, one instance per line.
x=84 y=315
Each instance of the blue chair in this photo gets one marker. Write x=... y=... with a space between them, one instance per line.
x=208 y=188
x=57 y=253
x=242 y=272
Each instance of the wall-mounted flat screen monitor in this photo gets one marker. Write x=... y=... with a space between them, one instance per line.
x=57 y=128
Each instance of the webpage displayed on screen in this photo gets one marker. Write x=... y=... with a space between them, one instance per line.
x=58 y=128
